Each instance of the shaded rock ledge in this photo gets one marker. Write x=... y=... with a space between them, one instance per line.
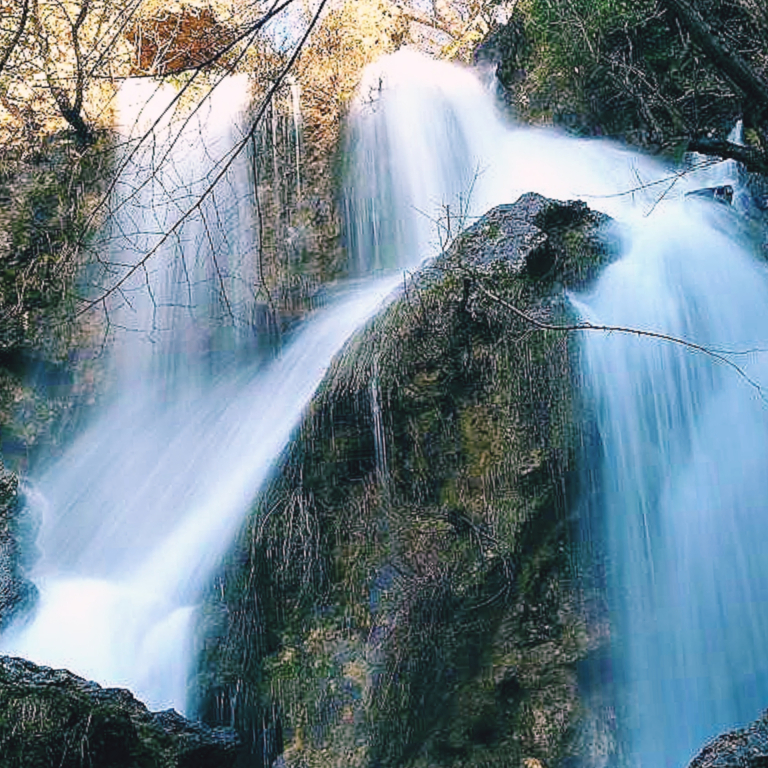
x=740 y=748
x=404 y=591
x=54 y=718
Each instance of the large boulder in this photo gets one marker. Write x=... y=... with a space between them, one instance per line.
x=404 y=591
x=54 y=718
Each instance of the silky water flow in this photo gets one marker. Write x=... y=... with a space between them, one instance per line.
x=141 y=508
x=143 y=505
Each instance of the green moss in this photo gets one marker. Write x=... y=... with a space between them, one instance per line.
x=394 y=599
x=567 y=40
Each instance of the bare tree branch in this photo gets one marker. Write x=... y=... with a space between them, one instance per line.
x=729 y=62
x=253 y=30
x=71 y=109
x=225 y=166
x=587 y=326
x=106 y=47
x=16 y=36
x=752 y=159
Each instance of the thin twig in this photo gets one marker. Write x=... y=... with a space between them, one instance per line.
x=646 y=185
x=587 y=326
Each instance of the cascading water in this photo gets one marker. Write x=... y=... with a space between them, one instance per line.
x=683 y=484
x=144 y=503
x=683 y=434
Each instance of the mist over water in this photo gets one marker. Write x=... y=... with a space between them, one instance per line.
x=144 y=504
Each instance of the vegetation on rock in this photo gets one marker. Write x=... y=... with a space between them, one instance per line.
x=668 y=74
x=403 y=592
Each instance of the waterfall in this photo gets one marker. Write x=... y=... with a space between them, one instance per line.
x=146 y=500
x=143 y=505
x=683 y=434
x=683 y=483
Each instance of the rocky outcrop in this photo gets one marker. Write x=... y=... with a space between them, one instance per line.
x=17 y=536
x=633 y=73
x=54 y=718
x=404 y=592
x=745 y=748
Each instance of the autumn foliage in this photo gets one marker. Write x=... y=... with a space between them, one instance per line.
x=172 y=41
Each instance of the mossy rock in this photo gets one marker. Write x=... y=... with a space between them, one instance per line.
x=622 y=69
x=402 y=593
x=54 y=718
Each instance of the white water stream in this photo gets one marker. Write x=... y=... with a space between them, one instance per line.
x=143 y=505
x=141 y=508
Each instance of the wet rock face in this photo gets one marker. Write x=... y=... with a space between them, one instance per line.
x=745 y=748
x=403 y=593
x=54 y=718
x=17 y=548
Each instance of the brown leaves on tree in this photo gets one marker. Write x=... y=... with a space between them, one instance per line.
x=177 y=41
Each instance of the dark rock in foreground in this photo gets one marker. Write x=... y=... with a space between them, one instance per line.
x=52 y=718
x=742 y=748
